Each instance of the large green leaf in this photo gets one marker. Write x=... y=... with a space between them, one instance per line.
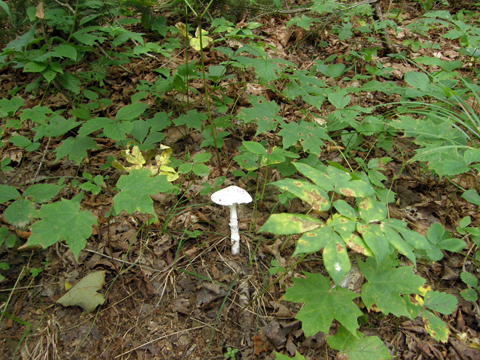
x=20 y=213
x=323 y=304
x=131 y=112
x=42 y=193
x=8 y=193
x=332 y=179
x=192 y=119
x=336 y=260
x=310 y=136
x=135 y=190
x=76 y=148
x=372 y=210
x=5 y=8
x=263 y=113
x=62 y=220
x=375 y=239
x=288 y=224
x=386 y=284
x=442 y=302
x=359 y=347
x=311 y=194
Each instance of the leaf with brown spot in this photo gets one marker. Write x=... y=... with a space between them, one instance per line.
x=311 y=194
x=331 y=178
x=288 y=224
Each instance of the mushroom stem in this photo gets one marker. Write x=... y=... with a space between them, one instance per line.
x=234 y=229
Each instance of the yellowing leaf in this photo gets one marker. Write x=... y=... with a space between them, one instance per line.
x=85 y=294
x=195 y=42
x=424 y=289
x=183 y=29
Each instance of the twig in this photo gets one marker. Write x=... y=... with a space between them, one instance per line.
x=65 y=5
x=41 y=161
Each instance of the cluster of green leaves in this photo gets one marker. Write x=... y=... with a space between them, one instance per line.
x=361 y=224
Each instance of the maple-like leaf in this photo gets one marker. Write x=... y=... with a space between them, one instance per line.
x=192 y=119
x=308 y=134
x=62 y=220
x=386 y=284
x=359 y=347
x=84 y=293
x=322 y=304
x=76 y=148
x=263 y=112
x=135 y=190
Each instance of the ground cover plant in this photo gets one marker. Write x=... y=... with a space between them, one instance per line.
x=353 y=125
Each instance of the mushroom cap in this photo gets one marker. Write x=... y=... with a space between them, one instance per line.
x=231 y=195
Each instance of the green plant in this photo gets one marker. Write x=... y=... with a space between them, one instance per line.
x=230 y=353
x=362 y=225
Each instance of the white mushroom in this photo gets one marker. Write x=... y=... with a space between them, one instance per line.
x=231 y=196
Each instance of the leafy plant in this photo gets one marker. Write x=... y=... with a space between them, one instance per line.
x=366 y=230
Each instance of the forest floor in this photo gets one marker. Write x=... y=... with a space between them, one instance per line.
x=183 y=292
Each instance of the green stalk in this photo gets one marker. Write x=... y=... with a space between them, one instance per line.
x=213 y=129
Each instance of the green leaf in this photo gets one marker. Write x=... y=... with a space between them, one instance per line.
x=332 y=70
x=452 y=245
x=70 y=82
x=472 y=196
x=117 y=130
x=200 y=170
x=375 y=239
x=322 y=304
x=37 y=114
x=310 y=136
x=76 y=148
x=338 y=100
x=333 y=179
x=20 y=213
x=10 y=107
x=285 y=357
x=345 y=209
x=314 y=240
x=442 y=302
x=135 y=190
x=417 y=80
x=131 y=112
x=314 y=196
x=469 y=279
x=5 y=8
x=35 y=67
x=358 y=347
x=469 y=294
x=62 y=220
x=336 y=260
x=254 y=147
x=192 y=119
x=66 y=51
x=42 y=193
x=435 y=327
x=8 y=193
x=288 y=224
x=398 y=243
x=372 y=210
x=263 y=113
x=385 y=284
x=84 y=293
